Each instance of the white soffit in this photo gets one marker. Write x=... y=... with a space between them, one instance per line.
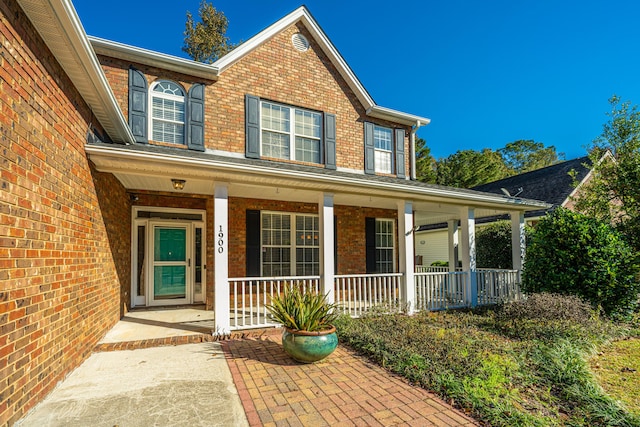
x=120 y=160
x=59 y=26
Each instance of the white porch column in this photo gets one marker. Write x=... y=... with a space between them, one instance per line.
x=518 y=243
x=468 y=251
x=452 y=227
x=221 y=259
x=327 y=244
x=406 y=254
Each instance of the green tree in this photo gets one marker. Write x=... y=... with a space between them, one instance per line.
x=425 y=163
x=613 y=192
x=468 y=168
x=206 y=41
x=572 y=254
x=526 y=155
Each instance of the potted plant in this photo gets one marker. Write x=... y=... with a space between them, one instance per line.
x=308 y=334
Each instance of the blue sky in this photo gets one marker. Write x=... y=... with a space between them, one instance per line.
x=485 y=72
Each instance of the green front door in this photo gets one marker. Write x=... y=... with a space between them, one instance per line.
x=170 y=270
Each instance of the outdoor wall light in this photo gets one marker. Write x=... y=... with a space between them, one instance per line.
x=178 y=184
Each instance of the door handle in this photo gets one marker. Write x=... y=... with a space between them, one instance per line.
x=189 y=262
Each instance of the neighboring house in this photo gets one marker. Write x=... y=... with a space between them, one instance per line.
x=555 y=184
x=133 y=178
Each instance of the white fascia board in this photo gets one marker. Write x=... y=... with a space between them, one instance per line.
x=396 y=116
x=59 y=26
x=154 y=59
x=300 y=14
x=403 y=191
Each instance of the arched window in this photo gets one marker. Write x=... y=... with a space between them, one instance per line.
x=167 y=112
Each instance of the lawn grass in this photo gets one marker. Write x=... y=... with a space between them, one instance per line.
x=514 y=366
x=617 y=368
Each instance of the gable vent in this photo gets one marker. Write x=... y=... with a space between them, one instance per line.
x=300 y=42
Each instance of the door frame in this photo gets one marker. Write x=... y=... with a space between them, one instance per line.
x=144 y=300
x=188 y=264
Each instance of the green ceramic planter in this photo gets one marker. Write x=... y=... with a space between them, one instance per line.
x=309 y=347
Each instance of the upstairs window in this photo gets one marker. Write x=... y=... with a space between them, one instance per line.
x=157 y=112
x=281 y=131
x=290 y=133
x=383 y=143
x=384 y=150
x=167 y=112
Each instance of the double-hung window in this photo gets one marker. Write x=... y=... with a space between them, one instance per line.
x=383 y=143
x=290 y=133
x=290 y=244
x=384 y=246
x=167 y=112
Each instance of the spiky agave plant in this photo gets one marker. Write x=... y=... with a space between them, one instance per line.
x=304 y=311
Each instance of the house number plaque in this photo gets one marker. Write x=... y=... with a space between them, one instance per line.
x=220 y=241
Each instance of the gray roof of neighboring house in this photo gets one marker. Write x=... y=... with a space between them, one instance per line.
x=551 y=184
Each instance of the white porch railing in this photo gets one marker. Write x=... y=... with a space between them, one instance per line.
x=438 y=291
x=358 y=293
x=496 y=286
x=249 y=297
x=433 y=269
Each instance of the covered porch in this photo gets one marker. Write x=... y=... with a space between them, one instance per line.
x=349 y=236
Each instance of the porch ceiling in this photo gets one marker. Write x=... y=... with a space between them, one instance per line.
x=152 y=168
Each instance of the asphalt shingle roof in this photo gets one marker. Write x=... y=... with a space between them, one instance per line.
x=551 y=184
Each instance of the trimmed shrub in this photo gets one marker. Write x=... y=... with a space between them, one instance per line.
x=493 y=245
x=572 y=254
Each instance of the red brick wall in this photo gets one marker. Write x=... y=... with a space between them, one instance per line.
x=274 y=71
x=352 y=255
x=59 y=285
x=351 y=231
x=115 y=208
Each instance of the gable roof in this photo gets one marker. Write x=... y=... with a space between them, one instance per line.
x=551 y=184
x=212 y=71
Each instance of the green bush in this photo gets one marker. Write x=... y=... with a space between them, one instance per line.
x=572 y=254
x=493 y=245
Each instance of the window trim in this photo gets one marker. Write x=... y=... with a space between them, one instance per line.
x=393 y=248
x=292 y=245
x=390 y=152
x=292 y=135
x=184 y=98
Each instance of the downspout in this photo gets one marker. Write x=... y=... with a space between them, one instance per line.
x=412 y=146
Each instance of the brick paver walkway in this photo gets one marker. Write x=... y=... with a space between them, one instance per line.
x=343 y=389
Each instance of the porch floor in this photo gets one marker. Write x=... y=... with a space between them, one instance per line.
x=161 y=322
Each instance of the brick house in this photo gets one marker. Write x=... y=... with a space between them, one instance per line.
x=132 y=178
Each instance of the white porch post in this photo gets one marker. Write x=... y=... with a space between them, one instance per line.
x=406 y=254
x=327 y=244
x=452 y=227
x=468 y=252
x=518 y=243
x=221 y=259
